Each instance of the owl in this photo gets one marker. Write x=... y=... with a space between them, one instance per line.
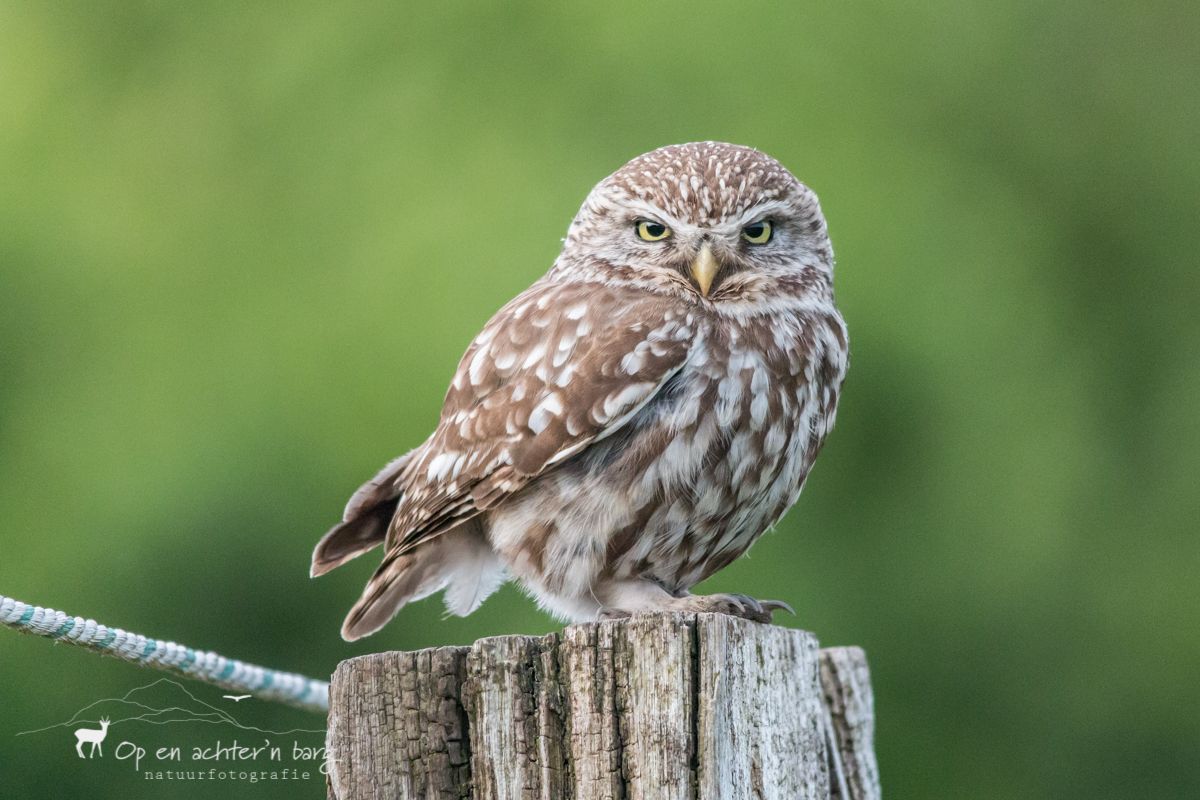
x=634 y=420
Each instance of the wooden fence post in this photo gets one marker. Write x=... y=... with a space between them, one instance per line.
x=662 y=706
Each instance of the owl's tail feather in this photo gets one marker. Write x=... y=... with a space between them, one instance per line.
x=352 y=538
x=365 y=521
x=459 y=560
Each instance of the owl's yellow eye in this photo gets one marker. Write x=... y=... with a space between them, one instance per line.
x=758 y=233
x=652 y=231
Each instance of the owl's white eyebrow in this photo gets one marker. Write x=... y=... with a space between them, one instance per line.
x=752 y=214
x=655 y=212
x=734 y=225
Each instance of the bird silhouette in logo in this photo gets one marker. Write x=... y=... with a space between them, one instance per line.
x=237 y=698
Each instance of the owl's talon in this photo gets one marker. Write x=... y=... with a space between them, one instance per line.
x=737 y=605
x=776 y=605
x=606 y=614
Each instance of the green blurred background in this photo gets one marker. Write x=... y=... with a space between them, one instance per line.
x=241 y=251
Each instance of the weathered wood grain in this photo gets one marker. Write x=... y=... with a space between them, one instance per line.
x=662 y=707
x=593 y=736
x=397 y=727
x=761 y=728
x=513 y=696
x=846 y=686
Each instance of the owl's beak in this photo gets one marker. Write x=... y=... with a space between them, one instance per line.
x=704 y=268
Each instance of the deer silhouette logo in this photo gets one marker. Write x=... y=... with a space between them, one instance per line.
x=93 y=735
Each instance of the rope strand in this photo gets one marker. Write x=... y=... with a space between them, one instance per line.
x=202 y=665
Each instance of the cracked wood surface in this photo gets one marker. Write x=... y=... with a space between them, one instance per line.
x=662 y=706
x=846 y=686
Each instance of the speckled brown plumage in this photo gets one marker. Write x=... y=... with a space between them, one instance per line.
x=633 y=421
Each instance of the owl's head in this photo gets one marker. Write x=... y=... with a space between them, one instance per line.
x=713 y=222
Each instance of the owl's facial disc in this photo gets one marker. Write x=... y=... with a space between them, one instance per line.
x=712 y=222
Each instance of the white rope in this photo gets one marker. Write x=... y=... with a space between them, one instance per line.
x=228 y=673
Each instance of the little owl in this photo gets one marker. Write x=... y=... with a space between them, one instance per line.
x=634 y=420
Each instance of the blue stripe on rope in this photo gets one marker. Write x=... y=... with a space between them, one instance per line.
x=286 y=687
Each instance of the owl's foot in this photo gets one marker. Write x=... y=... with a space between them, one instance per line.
x=735 y=605
x=620 y=599
x=605 y=614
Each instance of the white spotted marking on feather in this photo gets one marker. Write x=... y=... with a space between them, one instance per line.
x=633 y=362
x=505 y=361
x=614 y=404
x=439 y=466
x=564 y=376
x=550 y=407
x=534 y=356
x=478 y=364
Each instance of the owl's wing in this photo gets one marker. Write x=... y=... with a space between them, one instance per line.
x=559 y=367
